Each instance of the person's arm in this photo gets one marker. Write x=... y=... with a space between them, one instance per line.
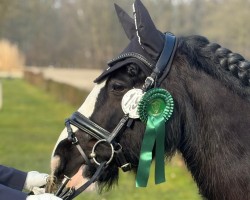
x=12 y=178
x=7 y=193
x=12 y=182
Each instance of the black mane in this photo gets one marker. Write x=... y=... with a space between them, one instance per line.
x=210 y=126
x=221 y=63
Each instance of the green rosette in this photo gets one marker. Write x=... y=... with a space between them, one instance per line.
x=155 y=108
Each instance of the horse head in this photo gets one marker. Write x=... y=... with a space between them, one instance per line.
x=200 y=76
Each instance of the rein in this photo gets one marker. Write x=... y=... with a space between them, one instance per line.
x=78 y=120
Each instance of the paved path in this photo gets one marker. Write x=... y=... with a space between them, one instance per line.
x=80 y=78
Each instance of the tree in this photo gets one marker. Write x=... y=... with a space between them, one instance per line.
x=77 y=33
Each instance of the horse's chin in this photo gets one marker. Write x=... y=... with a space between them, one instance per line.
x=56 y=178
x=78 y=180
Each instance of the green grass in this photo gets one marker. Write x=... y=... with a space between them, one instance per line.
x=30 y=122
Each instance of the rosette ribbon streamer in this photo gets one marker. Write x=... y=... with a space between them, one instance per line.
x=155 y=108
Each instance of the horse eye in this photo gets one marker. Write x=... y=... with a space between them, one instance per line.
x=118 y=87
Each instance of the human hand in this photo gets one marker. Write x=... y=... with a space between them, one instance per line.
x=45 y=196
x=35 y=179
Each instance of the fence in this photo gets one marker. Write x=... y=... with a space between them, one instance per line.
x=61 y=91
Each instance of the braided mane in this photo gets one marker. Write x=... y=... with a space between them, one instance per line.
x=231 y=68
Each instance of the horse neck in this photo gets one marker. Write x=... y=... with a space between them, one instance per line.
x=215 y=133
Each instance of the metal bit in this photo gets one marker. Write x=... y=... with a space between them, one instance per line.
x=67 y=194
x=62 y=186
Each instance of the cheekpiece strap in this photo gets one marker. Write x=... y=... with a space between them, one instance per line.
x=163 y=64
x=166 y=53
x=172 y=45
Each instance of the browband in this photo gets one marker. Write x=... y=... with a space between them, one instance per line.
x=132 y=55
x=160 y=69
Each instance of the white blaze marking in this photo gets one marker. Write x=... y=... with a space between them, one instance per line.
x=55 y=163
x=87 y=109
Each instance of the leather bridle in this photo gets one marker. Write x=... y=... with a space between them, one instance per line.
x=103 y=136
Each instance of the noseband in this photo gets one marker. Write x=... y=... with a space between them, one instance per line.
x=103 y=136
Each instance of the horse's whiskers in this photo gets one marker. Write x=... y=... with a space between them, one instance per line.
x=51 y=185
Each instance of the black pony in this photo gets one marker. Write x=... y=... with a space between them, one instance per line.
x=210 y=125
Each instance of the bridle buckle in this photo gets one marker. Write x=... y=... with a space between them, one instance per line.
x=121 y=160
x=71 y=135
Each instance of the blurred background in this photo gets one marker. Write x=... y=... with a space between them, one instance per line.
x=86 y=33
x=51 y=51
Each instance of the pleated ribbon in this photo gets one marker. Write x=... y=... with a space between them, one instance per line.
x=155 y=108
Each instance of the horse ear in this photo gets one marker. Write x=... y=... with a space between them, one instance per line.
x=149 y=37
x=126 y=21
